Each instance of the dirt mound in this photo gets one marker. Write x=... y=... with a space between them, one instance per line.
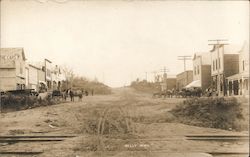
x=223 y=113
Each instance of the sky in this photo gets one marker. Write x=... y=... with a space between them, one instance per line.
x=119 y=41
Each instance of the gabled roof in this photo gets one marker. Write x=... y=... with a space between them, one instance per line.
x=13 y=51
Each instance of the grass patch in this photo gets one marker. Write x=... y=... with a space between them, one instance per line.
x=222 y=113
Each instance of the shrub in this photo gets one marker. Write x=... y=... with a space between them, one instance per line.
x=11 y=102
x=212 y=112
x=15 y=102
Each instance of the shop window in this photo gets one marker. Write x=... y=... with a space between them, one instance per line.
x=22 y=86
x=18 y=86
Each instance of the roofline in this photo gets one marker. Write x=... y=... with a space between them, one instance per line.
x=47 y=60
x=22 y=49
x=34 y=66
x=184 y=72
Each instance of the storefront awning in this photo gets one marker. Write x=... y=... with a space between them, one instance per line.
x=196 y=83
x=244 y=75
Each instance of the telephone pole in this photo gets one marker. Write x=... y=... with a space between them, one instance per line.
x=165 y=70
x=154 y=72
x=217 y=45
x=184 y=58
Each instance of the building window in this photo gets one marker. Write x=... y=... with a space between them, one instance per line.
x=243 y=65
x=21 y=68
x=48 y=73
x=219 y=63
x=18 y=86
x=198 y=70
x=213 y=65
x=194 y=70
x=216 y=64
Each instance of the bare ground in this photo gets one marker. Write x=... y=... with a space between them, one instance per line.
x=152 y=130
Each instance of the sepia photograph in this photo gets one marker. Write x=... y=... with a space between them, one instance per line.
x=124 y=78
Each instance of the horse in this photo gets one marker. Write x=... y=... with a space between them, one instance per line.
x=79 y=94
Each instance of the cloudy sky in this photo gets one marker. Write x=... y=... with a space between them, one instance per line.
x=118 y=41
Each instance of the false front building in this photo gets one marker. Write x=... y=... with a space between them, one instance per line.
x=238 y=84
x=224 y=63
x=202 y=70
x=183 y=79
x=12 y=69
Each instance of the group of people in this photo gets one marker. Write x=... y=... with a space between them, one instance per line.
x=79 y=93
x=184 y=92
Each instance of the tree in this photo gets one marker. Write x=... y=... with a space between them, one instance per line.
x=69 y=75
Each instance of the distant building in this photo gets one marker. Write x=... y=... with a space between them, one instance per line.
x=169 y=85
x=12 y=69
x=224 y=63
x=57 y=78
x=238 y=84
x=32 y=81
x=42 y=85
x=183 y=79
x=48 y=73
x=202 y=70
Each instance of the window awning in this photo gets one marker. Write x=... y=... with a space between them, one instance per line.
x=196 y=83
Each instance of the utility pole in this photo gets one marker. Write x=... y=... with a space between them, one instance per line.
x=184 y=58
x=154 y=72
x=0 y=83
x=164 y=70
x=217 y=45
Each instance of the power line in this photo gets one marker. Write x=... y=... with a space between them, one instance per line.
x=184 y=58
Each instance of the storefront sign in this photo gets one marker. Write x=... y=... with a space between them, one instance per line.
x=10 y=57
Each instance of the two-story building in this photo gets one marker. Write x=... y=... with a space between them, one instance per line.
x=57 y=78
x=48 y=68
x=12 y=68
x=167 y=83
x=32 y=79
x=202 y=70
x=183 y=79
x=239 y=83
x=224 y=63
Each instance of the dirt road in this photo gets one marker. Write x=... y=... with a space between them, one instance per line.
x=143 y=127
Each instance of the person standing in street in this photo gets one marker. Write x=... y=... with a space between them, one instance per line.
x=71 y=94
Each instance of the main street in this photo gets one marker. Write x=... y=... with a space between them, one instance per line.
x=144 y=128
